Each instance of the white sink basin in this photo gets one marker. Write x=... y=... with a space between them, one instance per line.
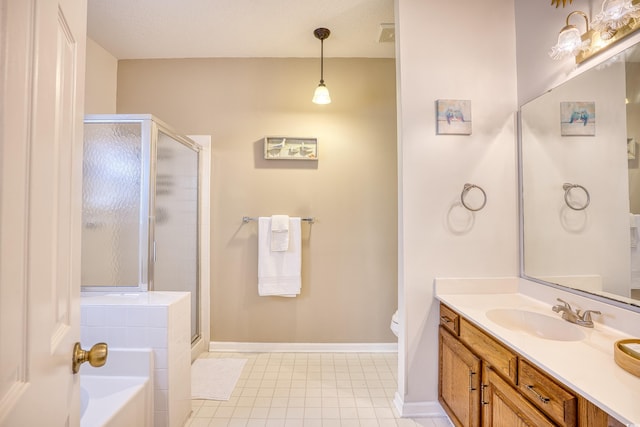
x=536 y=324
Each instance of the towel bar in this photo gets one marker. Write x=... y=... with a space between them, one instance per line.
x=246 y=219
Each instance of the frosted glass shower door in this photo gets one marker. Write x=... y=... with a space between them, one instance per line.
x=176 y=221
x=114 y=216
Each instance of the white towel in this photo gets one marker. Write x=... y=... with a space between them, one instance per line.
x=279 y=273
x=279 y=233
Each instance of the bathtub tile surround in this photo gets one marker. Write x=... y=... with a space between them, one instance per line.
x=155 y=320
x=585 y=365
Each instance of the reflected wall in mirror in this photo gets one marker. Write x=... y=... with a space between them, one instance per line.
x=595 y=249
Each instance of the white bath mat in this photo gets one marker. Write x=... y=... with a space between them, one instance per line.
x=215 y=378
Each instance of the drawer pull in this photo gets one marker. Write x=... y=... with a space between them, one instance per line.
x=446 y=319
x=471 y=374
x=540 y=397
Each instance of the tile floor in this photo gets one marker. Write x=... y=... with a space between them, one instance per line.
x=310 y=389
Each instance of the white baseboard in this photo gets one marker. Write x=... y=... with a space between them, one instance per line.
x=283 y=347
x=426 y=409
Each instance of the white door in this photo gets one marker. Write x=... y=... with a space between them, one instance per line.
x=42 y=51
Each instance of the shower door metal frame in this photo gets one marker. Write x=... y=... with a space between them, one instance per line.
x=150 y=128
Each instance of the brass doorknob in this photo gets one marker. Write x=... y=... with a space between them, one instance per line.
x=96 y=357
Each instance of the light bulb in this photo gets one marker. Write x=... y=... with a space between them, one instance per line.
x=321 y=95
x=569 y=43
x=614 y=15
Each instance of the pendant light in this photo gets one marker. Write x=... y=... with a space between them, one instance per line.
x=321 y=95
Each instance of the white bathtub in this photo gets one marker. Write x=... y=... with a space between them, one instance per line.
x=119 y=394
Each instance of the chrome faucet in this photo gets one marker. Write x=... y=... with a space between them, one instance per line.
x=582 y=319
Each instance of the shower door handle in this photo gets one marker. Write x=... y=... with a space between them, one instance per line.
x=154 y=251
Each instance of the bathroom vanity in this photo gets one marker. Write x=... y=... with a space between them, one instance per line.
x=501 y=383
x=506 y=359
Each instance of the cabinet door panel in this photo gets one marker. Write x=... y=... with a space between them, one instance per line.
x=589 y=415
x=459 y=381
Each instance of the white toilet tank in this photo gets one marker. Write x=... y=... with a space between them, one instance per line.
x=394 y=323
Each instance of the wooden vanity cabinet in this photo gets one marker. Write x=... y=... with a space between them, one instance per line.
x=590 y=415
x=483 y=383
x=449 y=319
x=559 y=404
x=504 y=406
x=500 y=358
x=458 y=381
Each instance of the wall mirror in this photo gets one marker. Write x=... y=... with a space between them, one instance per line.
x=580 y=183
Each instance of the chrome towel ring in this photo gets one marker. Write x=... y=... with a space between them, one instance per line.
x=468 y=187
x=567 y=187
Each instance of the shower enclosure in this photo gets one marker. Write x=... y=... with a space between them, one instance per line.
x=140 y=208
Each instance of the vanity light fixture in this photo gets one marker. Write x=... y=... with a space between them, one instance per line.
x=614 y=15
x=570 y=41
x=617 y=19
x=321 y=95
x=557 y=2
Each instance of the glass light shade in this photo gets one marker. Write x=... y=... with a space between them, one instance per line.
x=569 y=43
x=614 y=15
x=321 y=95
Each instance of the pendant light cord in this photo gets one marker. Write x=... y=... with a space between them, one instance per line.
x=321 y=34
x=321 y=61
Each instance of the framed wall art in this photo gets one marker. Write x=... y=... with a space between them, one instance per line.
x=453 y=117
x=577 y=118
x=286 y=148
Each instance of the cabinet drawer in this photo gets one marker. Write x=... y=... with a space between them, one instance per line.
x=551 y=398
x=500 y=358
x=449 y=319
x=504 y=406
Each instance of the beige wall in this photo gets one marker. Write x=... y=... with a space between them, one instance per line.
x=349 y=288
x=101 y=81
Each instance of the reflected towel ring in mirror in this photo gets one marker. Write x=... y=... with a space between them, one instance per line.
x=468 y=187
x=567 y=187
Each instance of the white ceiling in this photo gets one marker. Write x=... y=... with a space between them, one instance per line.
x=135 y=29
